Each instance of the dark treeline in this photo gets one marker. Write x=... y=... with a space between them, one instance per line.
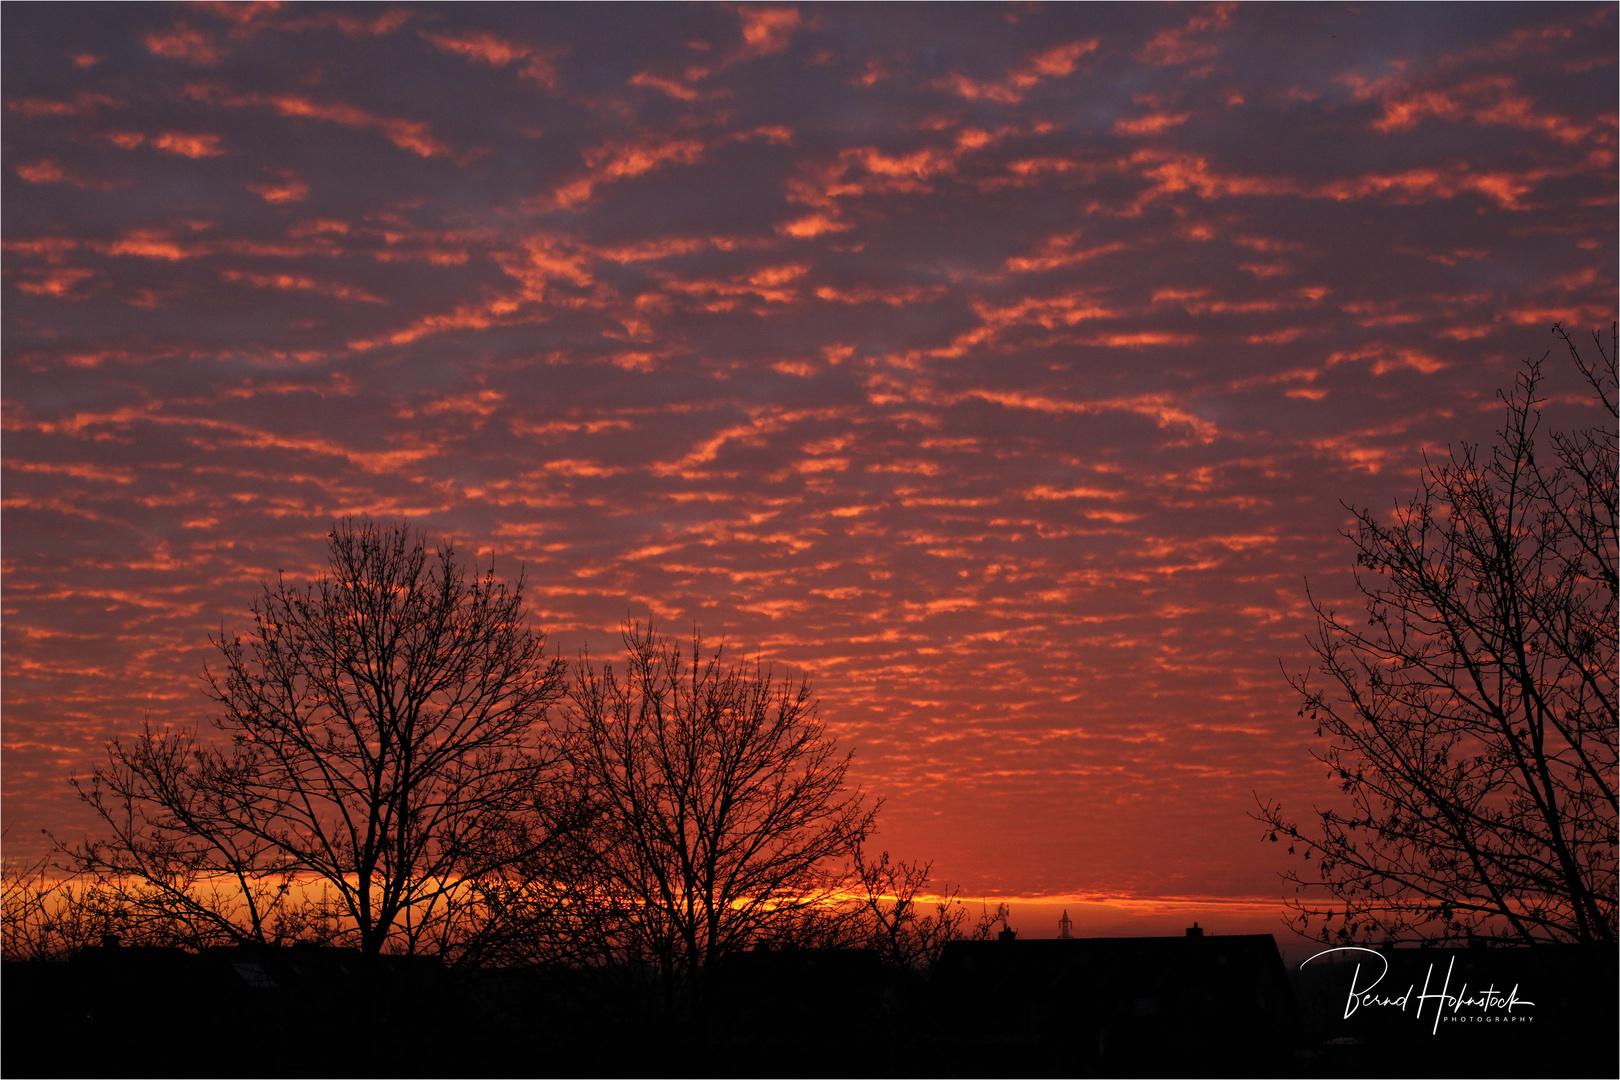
x=1198 y=1005
x=399 y=771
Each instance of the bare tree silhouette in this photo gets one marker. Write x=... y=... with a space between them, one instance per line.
x=716 y=805
x=383 y=731
x=1472 y=713
x=31 y=911
x=895 y=915
x=47 y=916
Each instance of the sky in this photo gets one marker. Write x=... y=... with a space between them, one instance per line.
x=1005 y=370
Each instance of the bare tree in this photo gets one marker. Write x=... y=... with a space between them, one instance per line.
x=382 y=743
x=1472 y=713
x=28 y=905
x=988 y=920
x=46 y=916
x=894 y=915
x=717 y=805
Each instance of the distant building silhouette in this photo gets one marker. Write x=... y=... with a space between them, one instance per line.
x=802 y=1011
x=1089 y=1004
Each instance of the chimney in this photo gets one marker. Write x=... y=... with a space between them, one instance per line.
x=1007 y=933
x=1195 y=930
x=110 y=941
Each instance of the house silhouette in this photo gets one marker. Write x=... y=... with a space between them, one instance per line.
x=1161 y=1004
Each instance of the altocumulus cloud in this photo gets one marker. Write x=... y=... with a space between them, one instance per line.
x=1003 y=369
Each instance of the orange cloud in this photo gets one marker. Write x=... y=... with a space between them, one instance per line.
x=876 y=71
x=240 y=12
x=1152 y=124
x=49 y=248
x=50 y=171
x=181 y=42
x=1194 y=302
x=872 y=294
x=483 y=47
x=44 y=171
x=541 y=260
x=670 y=87
x=1141 y=339
x=706 y=450
x=653 y=250
x=487 y=48
x=1172 y=172
x=1060 y=251
x=1278 y=337
x=1485 y=101
x=1026 y=172
x=318 y=226
x=1183 y=44
x=812 y=225
x=288 y=189
x=149 y=244
x=767 y=30
x=412 y=135
x=861 y=171
x=918 y=165
x=59 y=282
x=1382 y=359
x=619 y=161
x=84 y=103
x=1050 y=312
x=1444 y=182
x=1160 y=408
x=1054 y=63
x=295 y=282
x=771 y=284
x=478 y=315
x=1046 y=492
x=191 y=146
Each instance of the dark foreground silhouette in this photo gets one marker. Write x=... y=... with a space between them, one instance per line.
x=1178 y=1006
